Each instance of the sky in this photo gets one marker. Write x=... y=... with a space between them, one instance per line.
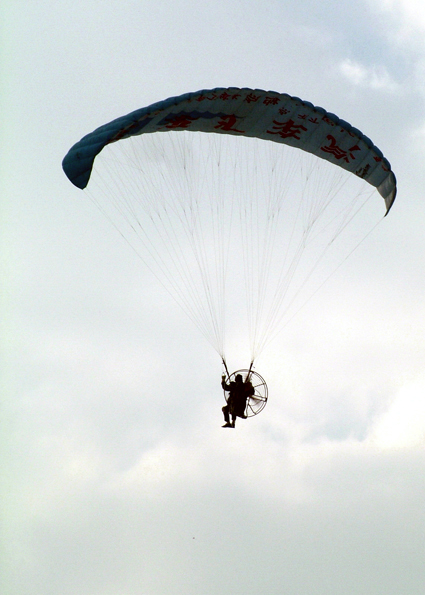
x=117 y=478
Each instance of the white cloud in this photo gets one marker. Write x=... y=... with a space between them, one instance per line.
x=403 y=425
x=409 y=14
x=373 y=77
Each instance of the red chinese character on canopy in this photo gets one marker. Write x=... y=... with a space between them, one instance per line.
x=337 y=152
x=380 y=160
x=271 y=100
x=204 y=97
x=283 y=111
x=224 y=96
x=251 y=98
x=227 y=122
x=180 y=121
x=287 y=129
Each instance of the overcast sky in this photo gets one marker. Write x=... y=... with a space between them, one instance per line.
x=117 y=477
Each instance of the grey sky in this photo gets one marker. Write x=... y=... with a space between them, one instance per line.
x=117 y=478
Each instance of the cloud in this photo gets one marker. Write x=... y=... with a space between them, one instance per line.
x=402 y=22
x=403 y=425
x=409 y=14
x=374 y=77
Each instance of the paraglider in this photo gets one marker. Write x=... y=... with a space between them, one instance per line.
x=227 y=221
x=247 y=395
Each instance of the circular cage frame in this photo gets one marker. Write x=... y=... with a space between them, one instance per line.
x=256 y=402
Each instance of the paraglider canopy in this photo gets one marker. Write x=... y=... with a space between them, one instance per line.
x=267 y=115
